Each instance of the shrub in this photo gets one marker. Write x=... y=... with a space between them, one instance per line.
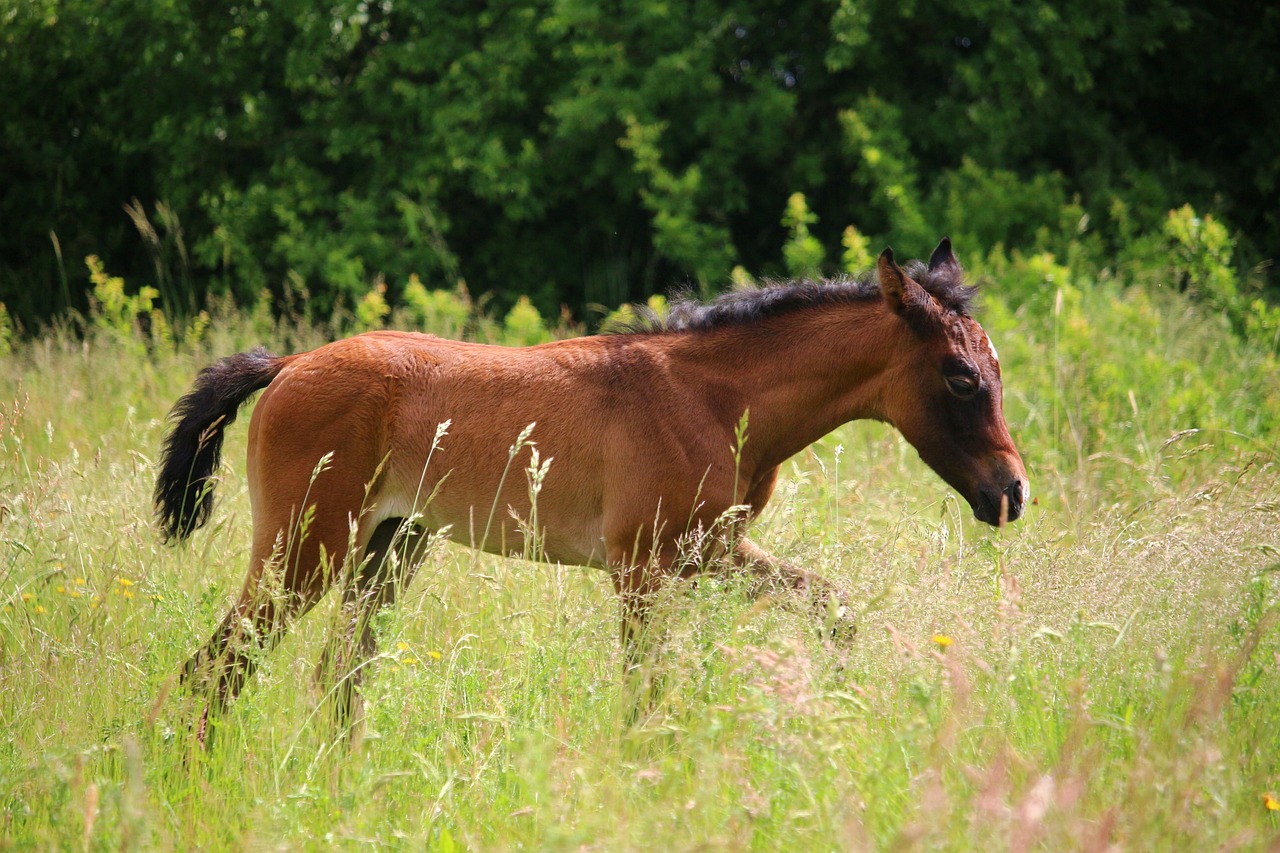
x=440 y=312
x=523 y=325
x=6 y=330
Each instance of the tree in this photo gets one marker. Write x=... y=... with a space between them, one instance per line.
x=586 y=153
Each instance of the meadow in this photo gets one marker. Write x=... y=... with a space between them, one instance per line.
x=1104 y=674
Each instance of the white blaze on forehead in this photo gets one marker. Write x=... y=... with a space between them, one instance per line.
x=992 y=348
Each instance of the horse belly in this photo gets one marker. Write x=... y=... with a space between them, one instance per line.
x=482 y=497
x=492 y=528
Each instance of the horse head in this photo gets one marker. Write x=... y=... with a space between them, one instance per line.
x=944 y=393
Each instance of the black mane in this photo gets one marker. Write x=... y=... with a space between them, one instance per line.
x=749 y=305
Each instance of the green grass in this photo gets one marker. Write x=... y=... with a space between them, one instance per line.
x=1110 y=678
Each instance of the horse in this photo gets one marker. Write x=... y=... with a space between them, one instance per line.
x=361 y=450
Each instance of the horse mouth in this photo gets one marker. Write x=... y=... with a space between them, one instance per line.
x=1000 y=507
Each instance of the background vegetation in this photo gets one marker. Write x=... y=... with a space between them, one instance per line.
x=1104 y=673
x=582 y=153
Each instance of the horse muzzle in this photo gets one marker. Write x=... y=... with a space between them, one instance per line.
x=998 y=506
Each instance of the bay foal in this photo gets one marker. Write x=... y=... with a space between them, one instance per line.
x=350 y=462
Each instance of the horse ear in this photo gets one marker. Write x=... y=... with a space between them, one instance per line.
x=893 y=281
x=902 y=294
x=943 y=256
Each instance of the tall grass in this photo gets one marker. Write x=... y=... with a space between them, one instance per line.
x=1103 y=673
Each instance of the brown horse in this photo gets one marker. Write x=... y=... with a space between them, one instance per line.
x=361 y=447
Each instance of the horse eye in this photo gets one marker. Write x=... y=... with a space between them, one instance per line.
x=962 y=385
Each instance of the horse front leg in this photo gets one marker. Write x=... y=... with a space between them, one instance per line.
x=638 y=584
x=827 y=602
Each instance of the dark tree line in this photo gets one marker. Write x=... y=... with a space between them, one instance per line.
x=591 y=153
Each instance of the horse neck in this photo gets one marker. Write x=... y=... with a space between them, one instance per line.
x=799 y=375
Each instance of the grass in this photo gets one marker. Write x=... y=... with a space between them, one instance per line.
x=1104 y=673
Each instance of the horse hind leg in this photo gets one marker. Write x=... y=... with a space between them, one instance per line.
x=388 y=565
x=293 y=564
x=254 y=625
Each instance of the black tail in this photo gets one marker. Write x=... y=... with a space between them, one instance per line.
x=184 y=487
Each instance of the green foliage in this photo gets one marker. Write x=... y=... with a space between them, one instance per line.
x=6 y=330
x=118 y=313
x=673 y=200
x=624 y=316
x=1202 y=250
x=857 y=255
x=442 y=312
x=1262 y=322
x=1203 y=254
x=372 y=309
x=171 y=262
x=1122 y=365
x=550 y=150
x=523 y=325
x=996 y=206
x=802 y=253
x=113 y=309
x=886 y=167
x=1032 y=687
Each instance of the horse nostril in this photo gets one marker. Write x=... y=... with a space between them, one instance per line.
x=1015 y=499
x=999 y=507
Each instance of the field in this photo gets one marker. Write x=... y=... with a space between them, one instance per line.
x=1103 y=674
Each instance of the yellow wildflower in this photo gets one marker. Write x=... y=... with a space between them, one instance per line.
x=128 y=593
x=79 y=581
x=404 y=647
x=124 y=582
x=27 y=596
x=1271 y=803
x=433 y=655
x=942 y=640
x=408 y=661
x=39 y=609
